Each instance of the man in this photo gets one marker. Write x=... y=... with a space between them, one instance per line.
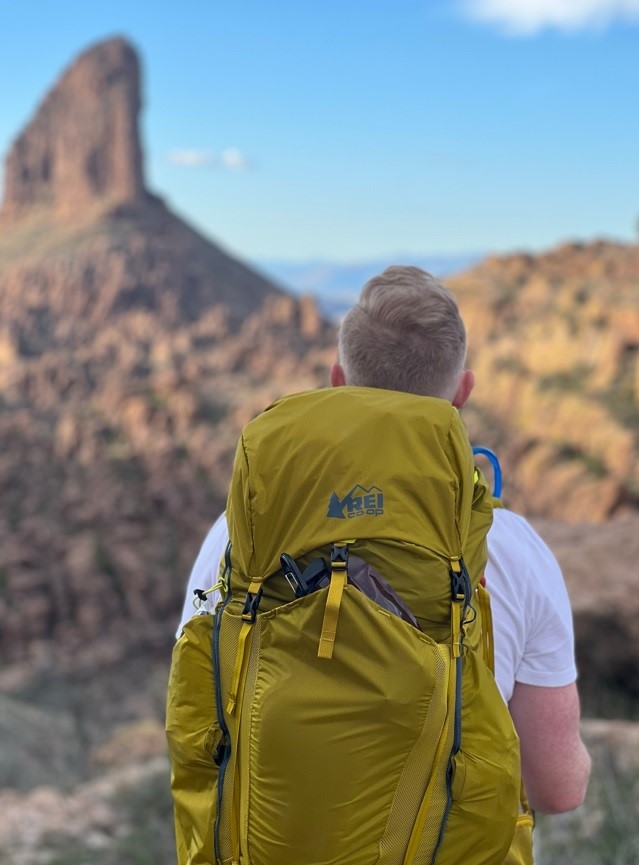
x=406 y=334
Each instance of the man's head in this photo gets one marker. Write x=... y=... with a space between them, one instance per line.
x=405 y=333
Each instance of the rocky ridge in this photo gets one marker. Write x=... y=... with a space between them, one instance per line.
x=555 y=345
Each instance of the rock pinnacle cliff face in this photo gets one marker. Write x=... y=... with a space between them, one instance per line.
x=83 y=145
x=83 y=243
x=132 y=350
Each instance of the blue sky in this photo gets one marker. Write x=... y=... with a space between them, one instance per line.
x=350 y=129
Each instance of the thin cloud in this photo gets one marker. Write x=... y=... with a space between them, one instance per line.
x=526 y=17
x=230 y=158
x=191 y=158
x=234 y=160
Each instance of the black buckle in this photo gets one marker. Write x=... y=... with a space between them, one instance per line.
x=251 y=604
x=293 y=575
x=315 y=576
x=339 y=556
x=460 y=589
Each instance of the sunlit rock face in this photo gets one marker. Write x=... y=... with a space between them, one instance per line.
x=554 y=342
x=132 y=351
x=83 y=144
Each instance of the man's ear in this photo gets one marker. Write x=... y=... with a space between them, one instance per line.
x=464 y=388
x=338 y=379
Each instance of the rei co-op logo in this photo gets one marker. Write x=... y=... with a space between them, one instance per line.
x=358 y=502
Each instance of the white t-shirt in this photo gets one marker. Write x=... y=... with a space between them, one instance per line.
x=532 y=620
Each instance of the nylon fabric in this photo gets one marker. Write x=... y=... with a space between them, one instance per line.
x=346 y=760
x=486 y=783
x=245 y=735
x=433 y=811
x=193 y=736
x=418 y=767
x=346 y=735
x=231 y=625
x=385 y=433
x=521 y=849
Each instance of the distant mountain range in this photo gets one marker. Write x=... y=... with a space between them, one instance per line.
x=336 y=284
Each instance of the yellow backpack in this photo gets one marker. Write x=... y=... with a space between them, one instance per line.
x=319 y=718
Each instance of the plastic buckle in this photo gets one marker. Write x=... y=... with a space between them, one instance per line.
x=293 y=576
x=460 y=584
x=339 y=557
x=251 y=605
x=316 y=575
x=457 y=587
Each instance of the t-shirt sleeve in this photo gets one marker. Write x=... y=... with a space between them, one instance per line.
x=205 y=569
x=549 y=655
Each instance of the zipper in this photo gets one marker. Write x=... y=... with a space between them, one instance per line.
x=226 y=755
x=460 y=594
x=450 y=769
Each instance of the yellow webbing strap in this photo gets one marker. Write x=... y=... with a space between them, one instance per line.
x=456 y=605
x=339 y=576
x=331 y=612
x=424 y=808
x=488 y=650
x=239 y=670
x=455 y=627
x=234 y=706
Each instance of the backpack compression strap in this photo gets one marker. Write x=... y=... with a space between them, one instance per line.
x=339 y=576
x=253 y=598
x=234 y=706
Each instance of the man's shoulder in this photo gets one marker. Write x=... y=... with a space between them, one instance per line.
x=509 y=527
x=514 y=547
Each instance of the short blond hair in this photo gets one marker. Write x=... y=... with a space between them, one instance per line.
x=406 y=334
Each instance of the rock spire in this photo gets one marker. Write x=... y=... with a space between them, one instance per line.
x=83 y=144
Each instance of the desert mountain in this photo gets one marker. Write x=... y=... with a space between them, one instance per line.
x=132 y=350
x=83 y=242
x=555 y=345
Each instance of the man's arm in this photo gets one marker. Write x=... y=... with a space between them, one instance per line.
x=554 y=762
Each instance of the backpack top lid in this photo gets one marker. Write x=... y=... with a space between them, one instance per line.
x=379 y=466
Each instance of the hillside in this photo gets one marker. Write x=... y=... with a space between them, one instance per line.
x=555 y=345
x=132 y=350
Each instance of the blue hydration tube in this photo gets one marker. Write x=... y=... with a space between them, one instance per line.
x=492 y=457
